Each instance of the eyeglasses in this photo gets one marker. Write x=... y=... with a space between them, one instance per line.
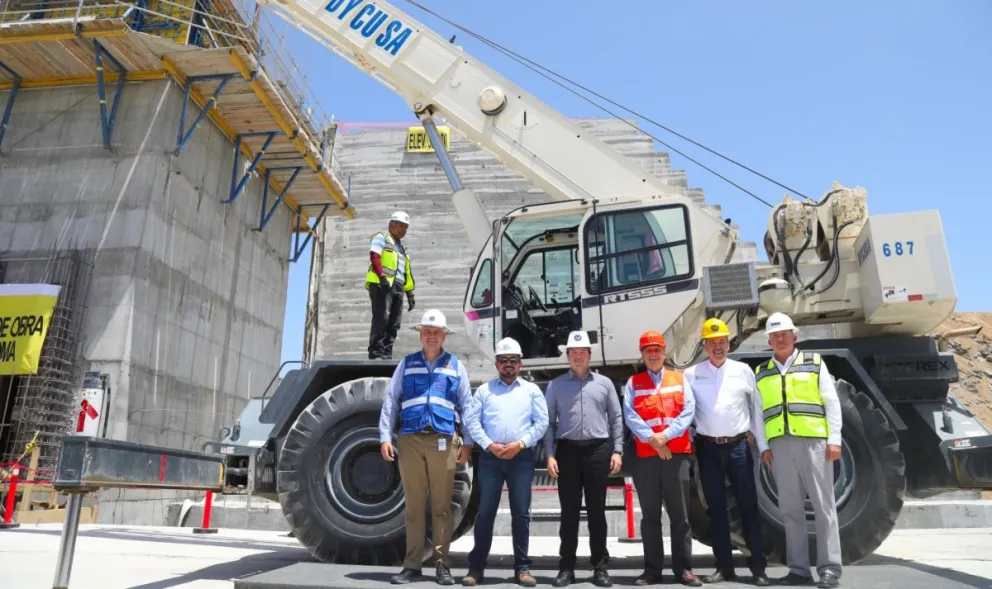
x=510 y=361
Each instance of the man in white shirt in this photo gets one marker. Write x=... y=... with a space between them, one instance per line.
x=727 y=408
x=802 y=416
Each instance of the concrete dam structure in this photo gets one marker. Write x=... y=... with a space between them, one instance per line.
x=160 y=170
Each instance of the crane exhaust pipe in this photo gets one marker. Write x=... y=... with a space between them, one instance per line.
x=474 y=218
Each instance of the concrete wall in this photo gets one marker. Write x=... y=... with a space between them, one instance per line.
x=385 y=178
x=186 y=303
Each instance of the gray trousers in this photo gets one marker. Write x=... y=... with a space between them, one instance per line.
x=800 y=467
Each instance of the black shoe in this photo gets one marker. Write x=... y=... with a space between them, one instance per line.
x=405 y=576
x=719 y=577
x=648 y=578
x=828 y=580
x=794 y=579
x=760 y=579
x=601 y=578
x=443 y=576
x=564 y=578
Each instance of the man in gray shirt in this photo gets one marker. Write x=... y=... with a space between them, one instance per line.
x=586 y=421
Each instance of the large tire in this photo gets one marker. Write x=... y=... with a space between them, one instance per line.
x=869 y=488
x=352 y=513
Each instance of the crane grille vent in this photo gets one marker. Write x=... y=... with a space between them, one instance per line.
x=730 y=286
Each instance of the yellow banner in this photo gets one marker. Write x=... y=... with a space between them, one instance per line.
x=25 y=312
x=417 y=140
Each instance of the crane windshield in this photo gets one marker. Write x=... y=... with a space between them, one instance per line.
x=521 y=230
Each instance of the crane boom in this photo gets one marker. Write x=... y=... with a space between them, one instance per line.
x=435 y=76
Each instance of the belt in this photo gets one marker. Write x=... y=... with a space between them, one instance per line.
x=721 y=439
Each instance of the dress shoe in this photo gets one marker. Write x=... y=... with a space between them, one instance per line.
x=405 y=576
x=828 y=580
x=525 y=579
x=690 y=580
x=564 y=578
x=601 y=578
x=472 y=579
x=719 y=577
x=443 y=576
x=760 y=579
x=794 y=579
x=648 y=578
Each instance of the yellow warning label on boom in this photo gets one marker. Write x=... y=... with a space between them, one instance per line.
x=417 y=140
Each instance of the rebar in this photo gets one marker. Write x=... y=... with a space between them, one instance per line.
x=44 y=402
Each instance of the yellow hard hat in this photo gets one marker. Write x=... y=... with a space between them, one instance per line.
x=715 y=328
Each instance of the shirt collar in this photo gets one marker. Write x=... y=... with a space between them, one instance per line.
x=573 y=376
x=499 y=383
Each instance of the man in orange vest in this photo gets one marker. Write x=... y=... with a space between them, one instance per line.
x=658 y=407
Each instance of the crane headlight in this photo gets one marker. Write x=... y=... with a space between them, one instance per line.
x=492 y=100
x=774 y=295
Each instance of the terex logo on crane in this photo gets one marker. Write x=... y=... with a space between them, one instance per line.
x=368 y=20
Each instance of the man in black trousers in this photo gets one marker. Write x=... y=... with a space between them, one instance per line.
x=586 y=422
x=389 y=277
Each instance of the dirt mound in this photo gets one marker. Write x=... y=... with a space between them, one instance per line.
x=973 y=353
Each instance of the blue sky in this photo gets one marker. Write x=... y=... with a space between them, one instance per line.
x=892 y=96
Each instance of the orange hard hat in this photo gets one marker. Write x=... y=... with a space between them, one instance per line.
x=651 y=338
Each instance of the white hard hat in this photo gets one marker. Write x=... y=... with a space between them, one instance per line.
x=576 y=339
x=401 y=217
x=779 y=322
x=433 y=318
x=508 y=347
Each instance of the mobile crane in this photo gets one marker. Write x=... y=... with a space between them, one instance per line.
x=619 y=250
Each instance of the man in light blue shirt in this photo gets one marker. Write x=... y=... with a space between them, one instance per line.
x=507 y=417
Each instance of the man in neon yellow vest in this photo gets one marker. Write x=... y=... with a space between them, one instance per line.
x=800 y=441
x=389 y=277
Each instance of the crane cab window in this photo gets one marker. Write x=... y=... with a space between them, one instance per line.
x=632 y=248
x=482 y=292
x=542 y=300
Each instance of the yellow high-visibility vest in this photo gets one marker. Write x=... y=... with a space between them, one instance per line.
x=390 y=261
x=792 y=401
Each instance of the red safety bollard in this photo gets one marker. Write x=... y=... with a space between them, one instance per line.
x=628 y=499
x=8 y=516
x=205 y=526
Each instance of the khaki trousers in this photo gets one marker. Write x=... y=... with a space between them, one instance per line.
x=427 y=469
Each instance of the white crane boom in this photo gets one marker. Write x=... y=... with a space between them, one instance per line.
x=435 y=76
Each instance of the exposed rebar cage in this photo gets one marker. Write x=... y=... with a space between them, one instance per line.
x=45 y=402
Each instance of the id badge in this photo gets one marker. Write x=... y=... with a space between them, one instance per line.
x=442 y=444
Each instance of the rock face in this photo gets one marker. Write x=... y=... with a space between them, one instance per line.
x=974 y=359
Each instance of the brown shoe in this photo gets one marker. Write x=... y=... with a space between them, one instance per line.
x=525 y=579
x=472 y=579
x=690 y=580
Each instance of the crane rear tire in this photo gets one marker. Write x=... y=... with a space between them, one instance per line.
x=870 y=484
x=342 y=501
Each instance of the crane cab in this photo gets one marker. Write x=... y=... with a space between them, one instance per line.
x=612 y=268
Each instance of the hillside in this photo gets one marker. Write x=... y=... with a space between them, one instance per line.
x=974 y=359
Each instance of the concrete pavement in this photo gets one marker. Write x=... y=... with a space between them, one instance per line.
x=121 y=557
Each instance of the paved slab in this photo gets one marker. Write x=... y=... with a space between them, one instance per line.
x=317 y=576
x=130 y=557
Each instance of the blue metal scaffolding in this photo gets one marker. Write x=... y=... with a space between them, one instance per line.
x=184 y=136
x=10 y=101
x=107 y=120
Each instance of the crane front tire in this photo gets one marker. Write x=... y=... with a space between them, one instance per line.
x=342 y=501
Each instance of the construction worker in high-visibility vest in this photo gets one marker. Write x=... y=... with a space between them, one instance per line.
x=658 y=407
x=799 y=443
x=389 y=277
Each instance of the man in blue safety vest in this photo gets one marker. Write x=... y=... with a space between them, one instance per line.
x=428 y=390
